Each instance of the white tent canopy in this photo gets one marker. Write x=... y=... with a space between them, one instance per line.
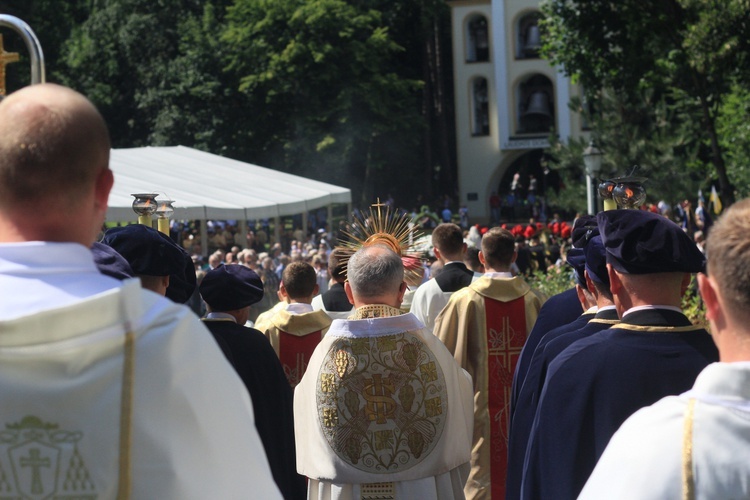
x=210 y=187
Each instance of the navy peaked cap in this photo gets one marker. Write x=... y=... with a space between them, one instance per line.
x=641 y=242
x=596 y=260
x=111 y=263
x=577 y=261
x=149 y=252
x=584 y=228
x=230 y=287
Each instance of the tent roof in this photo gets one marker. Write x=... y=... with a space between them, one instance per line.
x=208 y=186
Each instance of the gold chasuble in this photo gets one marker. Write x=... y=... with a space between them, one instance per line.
x=383 y=412
x=294 y=337
x=485 y=326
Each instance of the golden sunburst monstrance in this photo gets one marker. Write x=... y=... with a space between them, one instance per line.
x=382 y=226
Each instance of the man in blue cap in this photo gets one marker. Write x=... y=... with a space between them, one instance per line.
x=597 y=382
x=153 y=256
x=698 y=442
x=599 y=313
x=559 y=310
x=229 y=291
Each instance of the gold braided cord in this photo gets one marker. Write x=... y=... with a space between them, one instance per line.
x=688 y=481
x=659 y=329
x=126 y=417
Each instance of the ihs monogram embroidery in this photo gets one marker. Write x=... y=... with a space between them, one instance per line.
x=38 y=460
x=381 y=401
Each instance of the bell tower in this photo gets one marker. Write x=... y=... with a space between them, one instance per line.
x=507 y=100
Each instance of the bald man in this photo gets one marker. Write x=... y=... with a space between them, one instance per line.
x=100 y=379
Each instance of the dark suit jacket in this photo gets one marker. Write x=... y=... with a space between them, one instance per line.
x=256 y=363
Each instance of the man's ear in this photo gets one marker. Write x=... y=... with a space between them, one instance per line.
x=709 y=296
x=437 y=253
x=103 y=185
x=401 y=291
x=615 y=284
x=348 y=290
x=590 y=285
x=316 y=290
x=481 y=258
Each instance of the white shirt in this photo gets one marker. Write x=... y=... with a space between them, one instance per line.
x=37 y=274
x=429 y=299
x=299 y=308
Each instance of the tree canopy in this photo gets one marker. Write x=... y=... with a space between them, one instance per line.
x=340 y=91
x=690 y=52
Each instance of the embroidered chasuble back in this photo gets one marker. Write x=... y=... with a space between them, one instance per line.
x=382 y=402
x=506 y=335
x=295 y=352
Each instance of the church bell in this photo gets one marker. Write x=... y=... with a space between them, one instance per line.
x=538 y=104
x=533 y=41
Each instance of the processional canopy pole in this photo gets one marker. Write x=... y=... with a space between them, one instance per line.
x=32 y=45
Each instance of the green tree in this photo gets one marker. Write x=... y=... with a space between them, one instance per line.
x=123 y=57
x=319 y=76
x=691 y=50
x=653 y=136
x=734 y=130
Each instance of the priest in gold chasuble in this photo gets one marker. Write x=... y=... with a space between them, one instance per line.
x=383 y=410
x=485 y=326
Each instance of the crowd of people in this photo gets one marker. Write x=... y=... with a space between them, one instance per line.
x=309 y=369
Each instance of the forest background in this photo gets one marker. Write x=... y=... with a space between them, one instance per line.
x=360 y=93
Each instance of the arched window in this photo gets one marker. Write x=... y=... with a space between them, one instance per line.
x=528 y=36
x=477 y=40
x=536 y=105
x=480 y=122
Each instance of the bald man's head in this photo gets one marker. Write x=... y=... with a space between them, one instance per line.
x=53 y=145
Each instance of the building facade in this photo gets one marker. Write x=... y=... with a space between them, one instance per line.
x=508 y=101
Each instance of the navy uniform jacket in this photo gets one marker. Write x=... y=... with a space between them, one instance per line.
x=597 y=383
x=558 y=310
x=523 y=411
x=256 y=363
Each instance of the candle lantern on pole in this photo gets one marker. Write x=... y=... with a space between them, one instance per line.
x=144 y=206
x=164 y=212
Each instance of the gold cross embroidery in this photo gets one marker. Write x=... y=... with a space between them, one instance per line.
x=5 y=58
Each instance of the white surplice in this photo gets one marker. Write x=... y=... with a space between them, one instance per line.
x=62 y=349
x=645 y=457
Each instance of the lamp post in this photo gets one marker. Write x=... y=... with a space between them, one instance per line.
x=592 y=161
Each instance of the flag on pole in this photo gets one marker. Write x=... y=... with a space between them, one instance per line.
x=715 y=200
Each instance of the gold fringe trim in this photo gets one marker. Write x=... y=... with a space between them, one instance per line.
x=377 y=491
x=126 y=417
x=688 y=481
